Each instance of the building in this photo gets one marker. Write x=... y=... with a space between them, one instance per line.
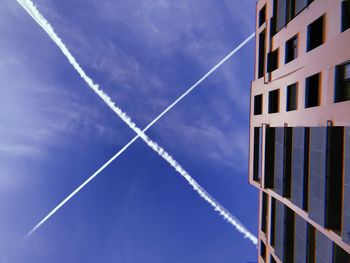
x=299 y=154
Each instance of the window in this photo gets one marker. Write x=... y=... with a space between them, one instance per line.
x=273 y=222
x=288 y=237
x=258 y=104
x=292 y=97
x=334 y=177
x=279 y=14
x=272 y=61
x=287 y=162
x=312 y=91
x=306 y=173
x=261 y=61
x=257 y=154
x=291 y=52
x=264 y=212
x=269 y=157
x=272 y=259
x=315 y=34
x=262 y=250
x=310 y=243
x=273 y=101
x=342 y=85
x=345 y=15
x=262 y=16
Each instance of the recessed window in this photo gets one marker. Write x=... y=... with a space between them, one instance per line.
x=315 y=36
x=345 y=15
x=258 y=104
x=306 y=173
x=291 y=49
x=270 y=139
x=310 y=243
x=264 y=212
x=273 y=222
x=272 y=260
x=272 y=61
x=339 y=254
x=262 y=16
x=342 y=85
x=292 y=97
x=261 y=61
x=288 y=237
x=257 y=154
x=287 y=161
x=273 y=101
x=312 y=92
x=279 y=14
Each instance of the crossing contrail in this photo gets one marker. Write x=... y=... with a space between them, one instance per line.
x=35 y=14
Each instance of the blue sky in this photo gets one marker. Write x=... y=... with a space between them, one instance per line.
x=55 y=132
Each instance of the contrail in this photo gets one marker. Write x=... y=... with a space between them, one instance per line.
x=35 y=14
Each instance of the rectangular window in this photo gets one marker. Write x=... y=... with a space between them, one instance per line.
x=310 y=244
x=258 y=104
x=280 y=14
x=269 y=157
x=291 y=52
x=261 y=62
x=292 y=97
x=272 y=61
x=274 y=101
x=334 y=177
x=345 y=15
x=342 y=85
x=290 y=10
x=287 y=162
x=273 y=222
x=262 y=250
x=315 y=35
x=312 y=96
x=257 y=154
x=306 y=173
x=288 y=237
x=264 y=212
x=262 y=16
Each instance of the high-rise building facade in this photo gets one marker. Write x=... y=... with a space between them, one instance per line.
x=299 y=154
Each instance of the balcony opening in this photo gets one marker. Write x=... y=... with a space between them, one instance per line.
x=315 y=35
x=274 y=101
x=310 y=243
x=261 y=61
x=345 y=15
x=291 y=49
x=292 y=97
x=312 y=94
x=257 y=154
x=258 y=104
x=306 y=170
x=272 y=61
x=288 y=237
x=342 y=82
x=264 y=212
x=269 y=157
x=334 y=178
x=287 y=162
x=262 y=15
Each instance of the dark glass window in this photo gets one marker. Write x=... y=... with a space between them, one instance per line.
x=261 y=62
x=262 y=16
x=340 y=255
x=342 y=85
x=273 y=101
x=269 y=157
x=264 y=212
x=287 y=162
x=345 y=15
x=312 y=91
x=334 y=177
x=272 y=260
x=292 y=97
x=300 y=5
x=315 y=36
x=280 y=13
x=272 y=61
x=291 y=52
x=306 y=173
x=257 y=154
x=273 y=222
x=258 y=104
x=310 y=243
x=288 y=237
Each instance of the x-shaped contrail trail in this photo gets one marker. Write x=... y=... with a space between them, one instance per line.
x=35 y=14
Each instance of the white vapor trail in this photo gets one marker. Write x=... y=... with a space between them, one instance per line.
x=35 y=14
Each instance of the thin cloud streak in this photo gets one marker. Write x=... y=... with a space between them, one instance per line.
x=35 y=14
